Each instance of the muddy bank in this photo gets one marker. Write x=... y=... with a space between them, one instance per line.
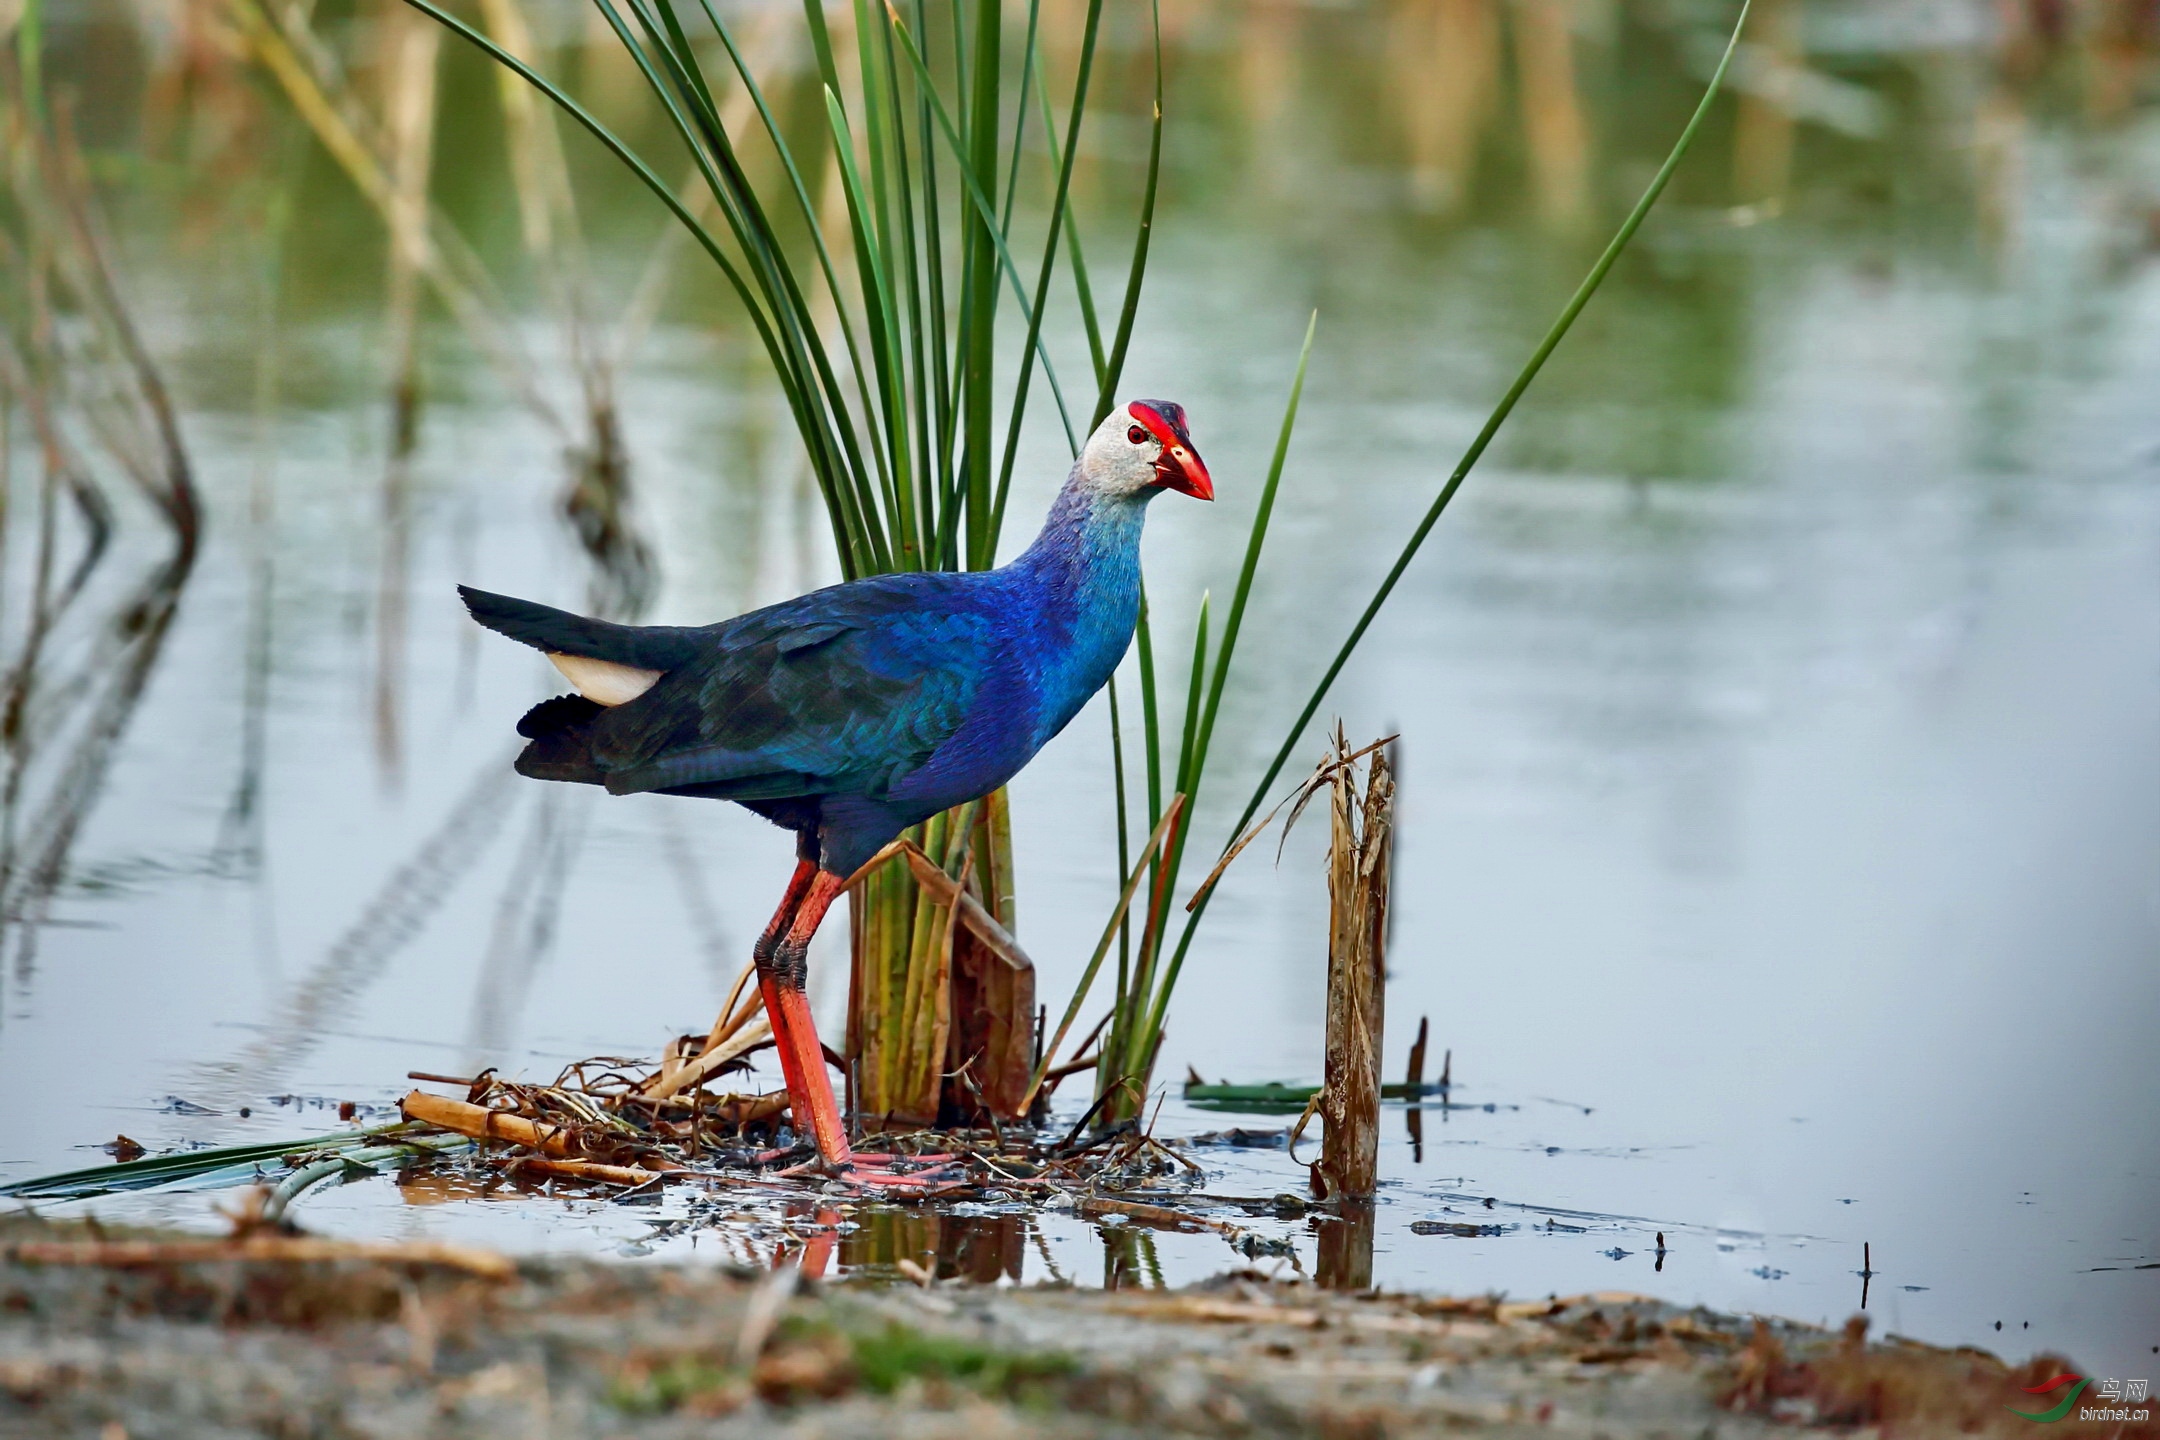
x=110 y=1335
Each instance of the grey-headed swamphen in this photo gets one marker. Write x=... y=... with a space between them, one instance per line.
x=853 y=712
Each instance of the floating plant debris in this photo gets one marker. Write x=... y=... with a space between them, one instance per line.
x=283 y=1169
x=1241 y=1139
x=1280 y=1095
x=618 y=1130
x=601 y=1127
x=1457 y=1229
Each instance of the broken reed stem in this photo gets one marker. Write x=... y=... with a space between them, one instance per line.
x=1359 y=854
x=590 y=1170
x=742 y=1040
x=484 y=1124
x=555 y=1140
x=737 y=1010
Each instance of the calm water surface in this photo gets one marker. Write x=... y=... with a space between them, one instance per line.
x=1780 y=703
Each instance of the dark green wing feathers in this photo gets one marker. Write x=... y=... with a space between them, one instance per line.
x=847 y=689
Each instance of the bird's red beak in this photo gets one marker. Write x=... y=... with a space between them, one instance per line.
x=1179 y=467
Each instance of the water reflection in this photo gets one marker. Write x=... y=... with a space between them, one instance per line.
x=1129 y=1258
x=96 y=608
x=1345 y=1246
x=981 y=1248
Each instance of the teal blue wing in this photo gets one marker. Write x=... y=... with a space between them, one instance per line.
x=845 y=689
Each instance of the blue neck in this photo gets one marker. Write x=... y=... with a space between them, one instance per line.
x=1082 y=578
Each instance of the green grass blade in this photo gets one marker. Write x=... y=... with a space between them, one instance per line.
x=936 y=351
x=1201 y=746
x=979 y=271
x=1114 y=369
x=797 y=188
x=1150 y=713
x=911 y=359
x=986 y=212
x=821 y=44
x=1134 y=876
x=1195 y=689
x=1049 y=264
x=1151 y=748
x=823 y=417
x=1030 y=73
x=873 y=50
x=1255 y=540
x=1192 y=771
x=688 y=106
x=1082 y=290
x=187 y=1165
x=1124 y=826
x=877 y=299
x=679 y=85
x=754 y=231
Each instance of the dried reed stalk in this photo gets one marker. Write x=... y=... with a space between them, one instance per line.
x=591 y=1170
x=75 y=368
x=1359 y=851
x=484 y=1124
x=744 y=1038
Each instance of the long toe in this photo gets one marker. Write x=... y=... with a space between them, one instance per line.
x=900 y=1175
x=766 y=1158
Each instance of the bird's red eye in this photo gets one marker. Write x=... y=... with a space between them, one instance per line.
x=1135 y=434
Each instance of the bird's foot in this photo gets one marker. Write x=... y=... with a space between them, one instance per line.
x=869 y=1171
x=885 y=1159
x=786 y=1154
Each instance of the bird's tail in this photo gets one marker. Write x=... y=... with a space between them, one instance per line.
x=561 y=747
x=645 y=647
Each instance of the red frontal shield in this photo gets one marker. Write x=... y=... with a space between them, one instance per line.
x=1179 y=467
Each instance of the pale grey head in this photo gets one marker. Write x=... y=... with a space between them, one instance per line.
x=1144 y=446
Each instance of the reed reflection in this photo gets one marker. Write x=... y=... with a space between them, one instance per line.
x=82 y=399
x=981 y=1248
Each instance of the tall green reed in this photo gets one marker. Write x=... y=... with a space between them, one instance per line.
x=884 y=341
x=910 y=433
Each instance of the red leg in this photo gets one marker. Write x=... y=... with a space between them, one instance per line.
x=798 y=885
x=781 y=978
x=820 y=1246
x=802 y=1060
